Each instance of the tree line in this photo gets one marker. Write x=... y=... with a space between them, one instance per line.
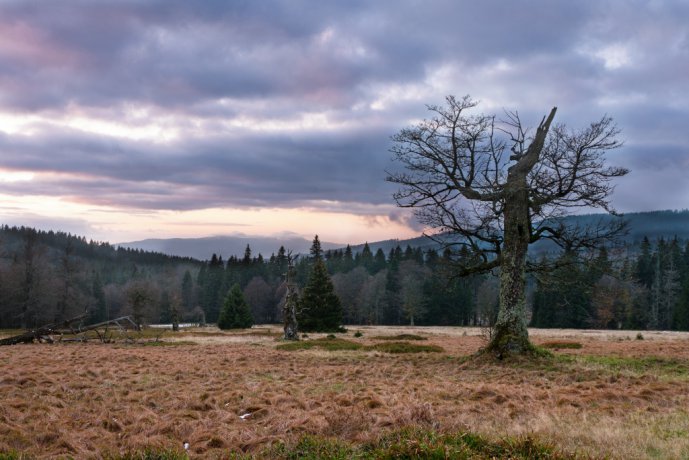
x=644 y=289
x=47 y=277
x=407 y=286
x=639 y=287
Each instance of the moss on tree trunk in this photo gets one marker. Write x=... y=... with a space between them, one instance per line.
x=510 y=335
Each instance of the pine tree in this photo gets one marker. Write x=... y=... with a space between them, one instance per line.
x=213 y=288
x=236 y=313
x=316 y=250
x=379 y=261
x=281 y=262
x=247 y=256
x=644 y=265
x=391 y=311
x=367 y=258
x=320 y=308
x=347 y=259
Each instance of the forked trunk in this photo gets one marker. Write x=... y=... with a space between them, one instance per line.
x=510 y=335
x=289 y=314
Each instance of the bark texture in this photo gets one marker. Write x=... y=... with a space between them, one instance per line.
x=510 y=334
x=289 y=308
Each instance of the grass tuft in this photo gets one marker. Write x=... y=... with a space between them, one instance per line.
x=558 y=345
x=311 y=447
x=324 y=344
x=399 y=337
x=641 y=365
x=12 y=455
x=415 y=443
x=405 y=347
x=336 y=344
x=149 y=454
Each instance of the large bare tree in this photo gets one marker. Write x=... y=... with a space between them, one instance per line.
x=497 y=187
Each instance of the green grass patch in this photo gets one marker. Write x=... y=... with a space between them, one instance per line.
x=640 y=365
x=399 y=337
x=337 y=344
x=12 y=455
x=323 y=344
x=262 y=332
x=414 y=443
x=557 y=345
x=404 y=347
x=149 y=454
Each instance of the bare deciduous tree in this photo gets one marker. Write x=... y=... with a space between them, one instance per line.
x=497 y=188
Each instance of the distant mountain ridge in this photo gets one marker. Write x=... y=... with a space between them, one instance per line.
x=225 y=246
x=653 y=224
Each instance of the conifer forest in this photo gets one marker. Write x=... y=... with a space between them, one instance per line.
x=48 y=277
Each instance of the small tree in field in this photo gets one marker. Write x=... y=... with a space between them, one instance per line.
x=495 y=187
x=236 y=313
x=319 y=308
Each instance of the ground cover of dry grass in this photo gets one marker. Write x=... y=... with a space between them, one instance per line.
x=616 y=396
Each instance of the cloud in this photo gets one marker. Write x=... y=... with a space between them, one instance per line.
x=181 y=105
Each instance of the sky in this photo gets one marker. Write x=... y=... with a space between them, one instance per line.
x=125 y=120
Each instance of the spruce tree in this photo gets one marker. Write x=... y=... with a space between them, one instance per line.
x=367 y=258
x=347 y=259
x=379 y=261
x=236 y=313
x=316 y=250
x=320 y=308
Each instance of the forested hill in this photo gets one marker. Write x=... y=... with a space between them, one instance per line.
x=50 y=276
x=13 y=239
x=654 y=225
x=225 y=246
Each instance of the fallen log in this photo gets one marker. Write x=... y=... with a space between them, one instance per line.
x=27 y=337
x=45 y=332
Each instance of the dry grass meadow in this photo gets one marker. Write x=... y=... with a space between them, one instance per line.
x=615 y=397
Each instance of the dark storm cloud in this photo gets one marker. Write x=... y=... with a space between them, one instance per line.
x=245 y=171
x=201 y=64
x=181 y=53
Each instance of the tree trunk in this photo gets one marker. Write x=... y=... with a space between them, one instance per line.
x=289 y=313
x=289 y=309
x=175 y=318
x=510 y=335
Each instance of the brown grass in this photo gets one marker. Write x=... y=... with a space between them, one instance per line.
x=613 y=397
